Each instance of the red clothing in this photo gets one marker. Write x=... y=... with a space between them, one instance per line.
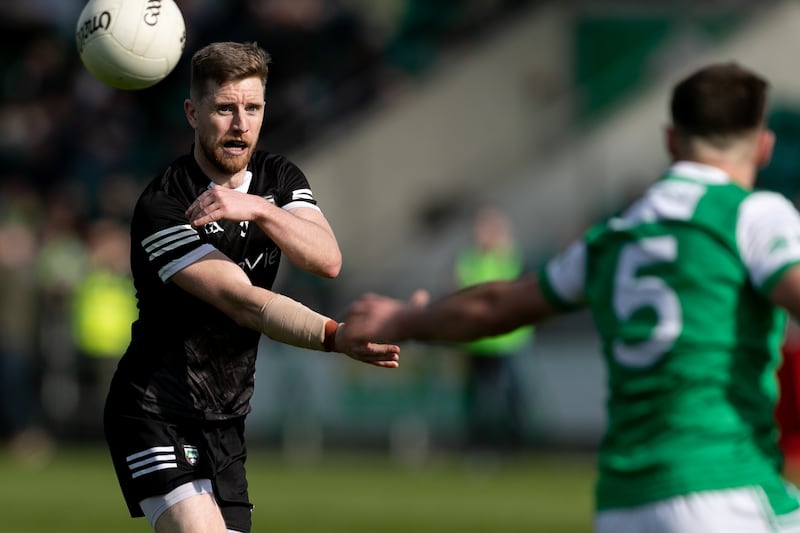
x=787 y=411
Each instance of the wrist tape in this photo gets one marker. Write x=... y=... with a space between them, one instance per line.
x=290 y=322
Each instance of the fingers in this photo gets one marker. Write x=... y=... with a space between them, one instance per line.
x=221 y=203
x=382 y=361
x=201 y=219
x=203 y=210
x=419 y=298
x=382 y=355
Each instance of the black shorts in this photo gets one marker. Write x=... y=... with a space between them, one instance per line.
x=152 y=457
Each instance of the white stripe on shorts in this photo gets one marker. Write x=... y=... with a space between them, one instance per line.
x=151 y=460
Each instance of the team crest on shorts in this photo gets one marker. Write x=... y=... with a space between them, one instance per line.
x=191 y=454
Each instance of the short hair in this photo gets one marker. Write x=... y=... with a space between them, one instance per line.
x=719 y=100
x=227 y=61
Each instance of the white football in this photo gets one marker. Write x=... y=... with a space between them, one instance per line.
x=130 y=44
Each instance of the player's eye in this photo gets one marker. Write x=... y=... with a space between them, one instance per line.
x=225 y=109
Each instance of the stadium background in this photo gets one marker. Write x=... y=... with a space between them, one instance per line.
x=406 y=115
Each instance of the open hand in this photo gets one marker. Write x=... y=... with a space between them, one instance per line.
x=350 y=343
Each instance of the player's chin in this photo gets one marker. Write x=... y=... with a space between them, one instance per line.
x=233 y=161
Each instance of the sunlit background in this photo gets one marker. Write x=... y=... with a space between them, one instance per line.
x=406 y=116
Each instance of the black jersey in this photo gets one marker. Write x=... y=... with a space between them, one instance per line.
x=186 y=358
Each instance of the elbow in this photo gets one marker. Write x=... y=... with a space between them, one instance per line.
x=332 y=269
x=331 y=272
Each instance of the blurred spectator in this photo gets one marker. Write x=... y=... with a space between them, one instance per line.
x=103 y=309
x=494 y=400
x=82 y=150
x=330 y=63
x=61 y=264
x=19 y=411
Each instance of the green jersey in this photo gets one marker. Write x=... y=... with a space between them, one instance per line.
x=677 y=286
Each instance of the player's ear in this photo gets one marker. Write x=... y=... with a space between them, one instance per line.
x=191 y=112
x=766 y=144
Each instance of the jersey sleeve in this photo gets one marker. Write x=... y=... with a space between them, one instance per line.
x=293 y=188
x=164 y=236
x=768 y=237
x=563 y=277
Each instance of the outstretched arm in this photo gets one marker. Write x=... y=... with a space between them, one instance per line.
x=218 y=281
x=479 y=311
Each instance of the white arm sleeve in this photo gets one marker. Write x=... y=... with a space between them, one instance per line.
x=768 y=235
x=566 y=273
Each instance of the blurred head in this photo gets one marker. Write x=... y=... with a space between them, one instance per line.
x=491 y=229
x=718 y=115
x=226 y=104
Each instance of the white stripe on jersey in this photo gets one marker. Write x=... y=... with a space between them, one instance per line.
x=302 y=194
x=168 y=270
x=152 y=460
x=295 y=205
x=169 y=239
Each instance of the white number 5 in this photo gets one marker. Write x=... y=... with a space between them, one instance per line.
x=632 y=292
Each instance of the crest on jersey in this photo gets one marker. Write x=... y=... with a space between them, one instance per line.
x=191 y=454
x=213 y=227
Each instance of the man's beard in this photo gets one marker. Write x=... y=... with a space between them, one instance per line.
x=223 y=162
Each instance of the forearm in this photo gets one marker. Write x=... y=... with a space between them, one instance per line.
x=305 y=238
x=290 y=322
x=483 y=310
x=224 y=285
x=461 y=316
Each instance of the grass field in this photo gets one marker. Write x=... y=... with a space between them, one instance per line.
x=77 y=493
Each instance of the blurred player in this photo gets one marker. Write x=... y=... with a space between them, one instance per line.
x=686 y=289
x=206 y=240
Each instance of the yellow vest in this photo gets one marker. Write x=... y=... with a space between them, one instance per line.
x=475 y=266
x=104 y=308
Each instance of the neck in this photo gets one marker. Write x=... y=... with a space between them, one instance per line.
x=741 y=173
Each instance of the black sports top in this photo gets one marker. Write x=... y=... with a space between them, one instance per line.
x=187 y=358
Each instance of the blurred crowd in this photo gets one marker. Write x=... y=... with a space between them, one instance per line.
x=74 y=154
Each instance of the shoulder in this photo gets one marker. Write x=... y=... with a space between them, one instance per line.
x=764 y=213
x=763 y=203
x=277 y=176
x=179 y=175
x=178 y=184
x=263 y=161
x=767 y=234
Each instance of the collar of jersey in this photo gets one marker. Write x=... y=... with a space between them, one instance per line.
x=698 y=172
x=244 y=187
